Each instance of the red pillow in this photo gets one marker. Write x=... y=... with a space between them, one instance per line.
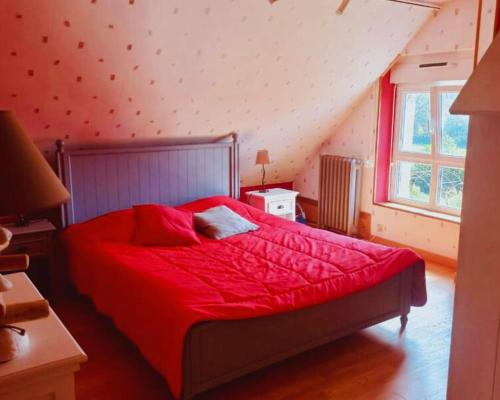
x=157 y=225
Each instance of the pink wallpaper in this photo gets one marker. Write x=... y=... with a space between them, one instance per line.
x=282 y=75
x=452 y=28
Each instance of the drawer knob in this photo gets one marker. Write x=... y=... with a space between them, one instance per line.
x=281 y=206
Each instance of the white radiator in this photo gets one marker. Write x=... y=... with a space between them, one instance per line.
x=339 y=193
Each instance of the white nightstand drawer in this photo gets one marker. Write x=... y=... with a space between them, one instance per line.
x=280 y=202
x=280 y=207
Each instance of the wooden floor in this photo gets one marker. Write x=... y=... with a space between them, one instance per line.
x=376 y=363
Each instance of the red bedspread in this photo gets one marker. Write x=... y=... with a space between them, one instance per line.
x=154 y=295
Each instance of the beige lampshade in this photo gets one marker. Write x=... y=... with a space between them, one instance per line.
x=27 y=182
x=262 y=157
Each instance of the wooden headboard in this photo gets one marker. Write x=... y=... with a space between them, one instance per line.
x=101 y=180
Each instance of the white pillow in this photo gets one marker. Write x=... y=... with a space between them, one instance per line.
x=221 y=222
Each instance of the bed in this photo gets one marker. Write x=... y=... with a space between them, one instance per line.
x=206 y=314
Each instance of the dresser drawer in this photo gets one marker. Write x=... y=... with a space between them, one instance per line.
x=280 y=207
x=32 y=247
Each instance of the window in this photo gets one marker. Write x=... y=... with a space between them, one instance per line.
x=429 y=148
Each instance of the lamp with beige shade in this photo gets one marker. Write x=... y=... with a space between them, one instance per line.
x=27 y=183
x=263 y=159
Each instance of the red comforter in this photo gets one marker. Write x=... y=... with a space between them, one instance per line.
x=154 y=295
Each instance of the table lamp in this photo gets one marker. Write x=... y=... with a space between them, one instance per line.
x=27 y=182
x=262 y=159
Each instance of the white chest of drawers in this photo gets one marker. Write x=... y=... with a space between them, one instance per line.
x=279 y=202
x=45 y=369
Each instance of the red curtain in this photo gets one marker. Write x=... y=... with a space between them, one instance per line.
x=384 y=138
x=497 y=18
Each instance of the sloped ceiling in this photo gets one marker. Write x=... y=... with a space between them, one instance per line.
x=282 y=75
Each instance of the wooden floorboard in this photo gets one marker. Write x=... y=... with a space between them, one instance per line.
x=376 y=363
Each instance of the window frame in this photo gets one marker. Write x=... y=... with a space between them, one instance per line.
x=434 y=158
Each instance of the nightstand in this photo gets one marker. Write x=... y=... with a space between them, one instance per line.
x=36 y=240
x=46 y=367
x=279 y=202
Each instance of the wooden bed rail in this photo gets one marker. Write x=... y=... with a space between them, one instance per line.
x=217 y=352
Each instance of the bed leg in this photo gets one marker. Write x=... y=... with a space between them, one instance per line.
x=404 y=321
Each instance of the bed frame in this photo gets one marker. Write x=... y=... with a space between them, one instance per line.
x=101 y=180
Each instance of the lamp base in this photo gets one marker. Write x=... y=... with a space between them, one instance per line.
x=22 y=220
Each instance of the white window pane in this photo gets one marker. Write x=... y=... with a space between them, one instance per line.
x=450 y=187
x=454 y=128
x=415 y=134
x=413 y=181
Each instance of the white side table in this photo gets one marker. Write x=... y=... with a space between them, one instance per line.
x=46 y=367
x=279 y=202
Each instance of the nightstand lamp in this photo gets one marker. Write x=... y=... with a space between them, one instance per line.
x=27 y=181
x=263 y=159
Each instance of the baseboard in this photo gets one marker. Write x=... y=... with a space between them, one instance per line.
x=307 y=200
x=365 y=225
x=426 y=255
x=310 y=207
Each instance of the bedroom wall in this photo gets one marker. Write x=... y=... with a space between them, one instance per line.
x=451 y=29
x=282 y=75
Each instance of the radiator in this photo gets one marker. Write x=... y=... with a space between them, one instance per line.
x=339 y=194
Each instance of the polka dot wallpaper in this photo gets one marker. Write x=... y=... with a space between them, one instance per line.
x=282 y=75
x=486 y=33
x=452 y=28
x=355 y=136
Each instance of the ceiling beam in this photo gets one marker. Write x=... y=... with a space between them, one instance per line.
x=419 y=3
x=342 y=6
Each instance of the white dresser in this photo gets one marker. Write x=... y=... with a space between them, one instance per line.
x=279 y=202
x=45 y=369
